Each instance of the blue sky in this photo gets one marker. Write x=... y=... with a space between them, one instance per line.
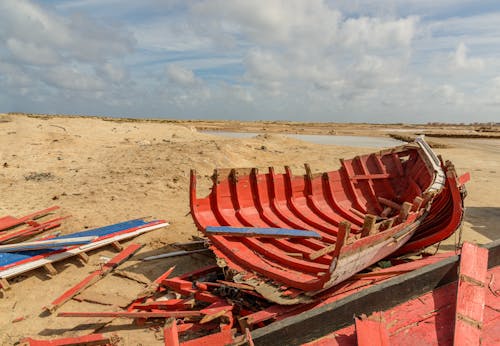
x=310 y=60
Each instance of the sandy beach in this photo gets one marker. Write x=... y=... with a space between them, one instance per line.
x=103 y=171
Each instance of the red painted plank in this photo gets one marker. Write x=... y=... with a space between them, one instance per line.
x=95 y=276
x=33 y=229
x=7 y=222
x=170 y=334
x=371 y=332
x=470 y=295
x=92 y=339
x=131 y=314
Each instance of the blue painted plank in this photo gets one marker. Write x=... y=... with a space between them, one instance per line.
x=261 y=232
x=13 y=257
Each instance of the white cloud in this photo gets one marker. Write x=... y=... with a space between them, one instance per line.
x=32 y=53
x=180 y=75
x=460 y=60
x=72 y=78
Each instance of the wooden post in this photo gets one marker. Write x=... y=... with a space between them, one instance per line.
x=50 y=269
x=369 y=225
x=4 y=284
x=417 y=203
x=83 y=257
x=117 y=246
x=342 y=236
x=405 y=210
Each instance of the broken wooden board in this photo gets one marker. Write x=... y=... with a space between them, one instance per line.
x=94 y=277
x=470 y=295
x=25 y=263
x=103 y=299
x=261 y=232
x=88 y=340
x=7 y=222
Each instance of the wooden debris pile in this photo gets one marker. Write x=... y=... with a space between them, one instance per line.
x=25 y=246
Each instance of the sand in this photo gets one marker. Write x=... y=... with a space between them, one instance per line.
x=102 y=171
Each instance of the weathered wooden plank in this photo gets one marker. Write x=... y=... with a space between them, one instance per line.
x=131 y=314
x=46 y=244
x=261 y=232
x=94 y=277
x=175 y=254
x=170 y=334
x=470 y=295
x=88 y=340
x=7 y=222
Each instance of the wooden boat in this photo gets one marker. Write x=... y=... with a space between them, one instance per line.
x=368 y=209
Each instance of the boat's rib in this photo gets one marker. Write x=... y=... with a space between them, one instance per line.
x=280 y=207
x=368 y=183
x=346 y=173
x=300 y=207
x=317 y=199
x=330 y=185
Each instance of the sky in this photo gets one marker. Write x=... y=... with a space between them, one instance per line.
x=411 y=61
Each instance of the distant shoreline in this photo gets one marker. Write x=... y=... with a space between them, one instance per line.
x=479 y=130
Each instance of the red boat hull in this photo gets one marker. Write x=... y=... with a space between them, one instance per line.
x=382 y=199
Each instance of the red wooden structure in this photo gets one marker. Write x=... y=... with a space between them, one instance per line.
x=376 y=202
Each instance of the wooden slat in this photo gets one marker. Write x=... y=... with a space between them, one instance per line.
x=46 y=244
x=94 y=277
x=261 y=232
x=128 y=314
x=92 y=339
x=342 y=236
x=170 y=334
x=470 y=295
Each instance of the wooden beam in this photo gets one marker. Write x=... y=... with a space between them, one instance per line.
x=389 y=203
x=330 y=317
x=470 y=295
x=94 y=277
x=261 y=232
